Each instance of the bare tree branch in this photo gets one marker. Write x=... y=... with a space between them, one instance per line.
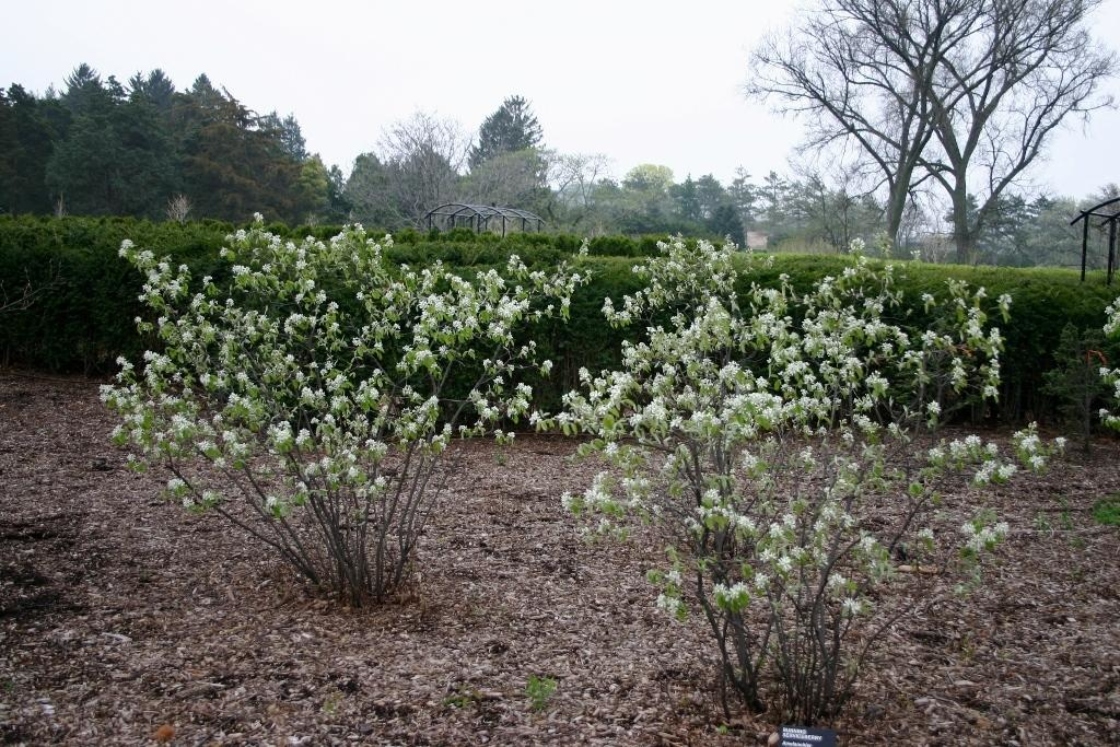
x=27 y=293
x=424 y=155
x=965 y=93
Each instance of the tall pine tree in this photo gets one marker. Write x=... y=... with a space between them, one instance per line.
x=116 y=157
x=511 y=128
x=28 y=130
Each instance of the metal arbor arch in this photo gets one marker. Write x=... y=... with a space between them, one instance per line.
x=479 y=218
x=1111 y=220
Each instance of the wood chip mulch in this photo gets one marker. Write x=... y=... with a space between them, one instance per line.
x=125 y=620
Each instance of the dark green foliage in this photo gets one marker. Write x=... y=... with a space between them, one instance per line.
x=586 y=340
x=725 y=222
x=1075 y=380
x=28 y=129
x=116 y=160
x=614 y=246
x=103 y=149
x=155 y=88
x=85 y=319
x=233 y=164
x=289 y=134
x=513 y=127
x=115 y=155
x=1106 y=511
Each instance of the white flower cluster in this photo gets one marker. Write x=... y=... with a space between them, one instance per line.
x=734 y=598
x=980 y=537
x=1032 y=451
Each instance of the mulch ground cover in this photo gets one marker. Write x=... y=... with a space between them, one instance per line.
x=126 y=620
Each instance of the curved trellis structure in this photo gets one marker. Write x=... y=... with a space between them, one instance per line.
x=1107 y=218
x=481 y=218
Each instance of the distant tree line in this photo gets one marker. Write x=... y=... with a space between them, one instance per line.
x=148 y=150
x=145 y=149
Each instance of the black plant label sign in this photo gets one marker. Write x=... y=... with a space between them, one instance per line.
x=803 y=736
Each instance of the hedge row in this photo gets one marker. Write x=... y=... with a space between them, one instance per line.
x=83 y=318
x=83 y=315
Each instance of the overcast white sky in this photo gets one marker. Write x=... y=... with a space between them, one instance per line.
x=642 y=82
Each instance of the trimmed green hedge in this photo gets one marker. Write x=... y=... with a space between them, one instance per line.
x=84 y=317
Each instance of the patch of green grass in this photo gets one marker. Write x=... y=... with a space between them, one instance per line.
x=1106 y=511
x=539 y=690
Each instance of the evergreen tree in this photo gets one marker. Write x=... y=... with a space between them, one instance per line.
x=338 y=205
x=155 y=88
x=710 y=195
x=116 y=157
x=100 y=148
x=511 y=128
x=743 y=194
x=288 y=131
x=687 y=200
x=314 y=186
x=84 y=91
x=28 y=129
x=232 y=166
x=725 y=223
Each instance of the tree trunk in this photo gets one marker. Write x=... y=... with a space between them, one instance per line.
x=896 y=208
x=963 y=234
x=898 y=197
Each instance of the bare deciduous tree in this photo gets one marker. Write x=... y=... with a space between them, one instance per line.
x=574 y=178
x=961 y=93
x=514 y=179
x=424 y=156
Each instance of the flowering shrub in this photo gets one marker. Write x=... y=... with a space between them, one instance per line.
x=314 y=392
x=787 y=446
x=1111 y=376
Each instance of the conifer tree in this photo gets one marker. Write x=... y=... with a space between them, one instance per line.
x=511 y=128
